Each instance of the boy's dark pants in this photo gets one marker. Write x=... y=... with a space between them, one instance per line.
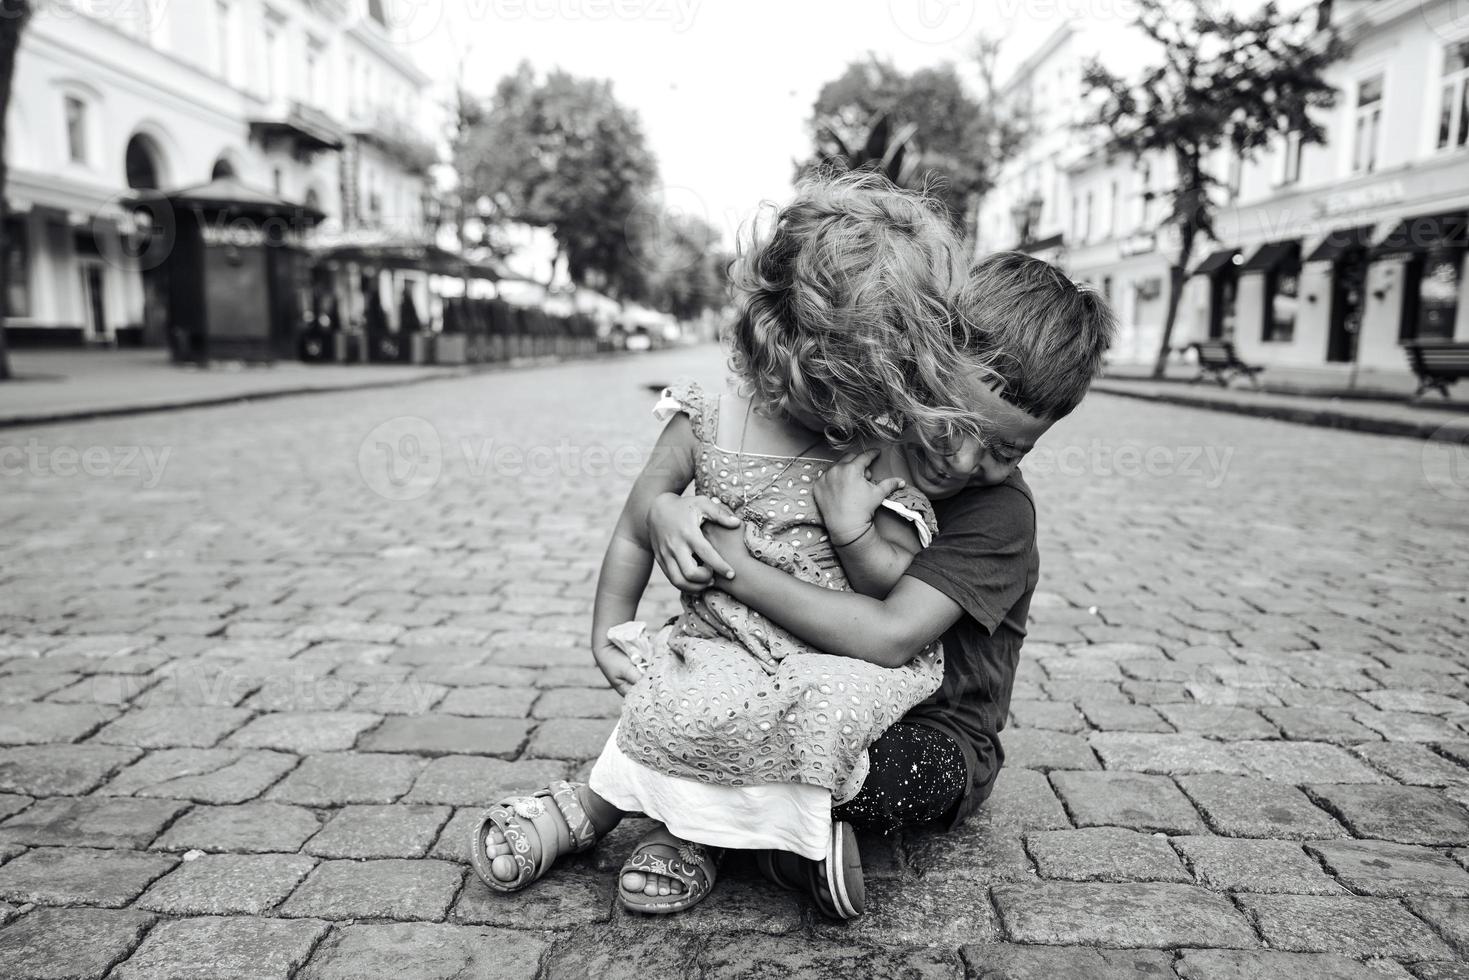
x=917 y=775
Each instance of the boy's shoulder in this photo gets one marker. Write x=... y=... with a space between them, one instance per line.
x=1005 y=506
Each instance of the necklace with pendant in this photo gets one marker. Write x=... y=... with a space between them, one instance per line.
x=754 y=516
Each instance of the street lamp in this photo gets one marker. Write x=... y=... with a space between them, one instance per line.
x=1027 y=215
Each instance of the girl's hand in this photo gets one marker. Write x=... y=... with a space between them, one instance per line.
x=847 y=497
x=617 y=667
x=729 y=545
x=676 y=534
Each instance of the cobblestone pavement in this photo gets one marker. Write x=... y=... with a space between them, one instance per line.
x=256 y=689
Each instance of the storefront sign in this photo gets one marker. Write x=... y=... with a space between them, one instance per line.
x=1359 y=199
x=1137 y=245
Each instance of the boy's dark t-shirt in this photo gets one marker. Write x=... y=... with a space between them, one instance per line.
x=985 y=559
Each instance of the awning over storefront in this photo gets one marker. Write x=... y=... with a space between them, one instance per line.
x=229 y=197
x=1041 y=244
x=420 y=256
x=1416 y=235
x=1272 y=256
x=1340 y=242
x=1216 y=261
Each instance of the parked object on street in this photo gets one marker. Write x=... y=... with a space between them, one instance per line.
x=1438 y=364
x=1219 y=362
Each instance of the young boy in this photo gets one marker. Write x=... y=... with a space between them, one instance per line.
x=972 y=585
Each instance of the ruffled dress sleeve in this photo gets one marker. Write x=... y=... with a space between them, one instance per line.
x=690 y=399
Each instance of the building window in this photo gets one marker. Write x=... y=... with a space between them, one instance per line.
x=1112 y=196
x=315 y=90
x=1075 y=216
x=1086 y=219
x=1290 y=159
x=1432 y=301
x=1144 y=199
x=76 y=129
x=1282 y=300
x=1235 y=174
x=1453 y=113
x=1368 y=125
x=17 y=298
x=223 y=39
x=270 y=47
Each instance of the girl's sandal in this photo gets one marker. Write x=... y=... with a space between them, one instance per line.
x=559 y=824
x=835 y=884
x=694 y=865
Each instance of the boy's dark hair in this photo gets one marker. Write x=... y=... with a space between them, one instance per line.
x=1043 y=334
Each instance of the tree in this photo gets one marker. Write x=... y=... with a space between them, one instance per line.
x=681 y=261
x=1225 y=82
x=13 y=17
x=923 y=129
x=563 y=153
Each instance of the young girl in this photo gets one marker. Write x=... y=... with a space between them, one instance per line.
x=740 y=735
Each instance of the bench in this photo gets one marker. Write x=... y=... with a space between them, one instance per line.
x=1437 y=363
x=1218 y=360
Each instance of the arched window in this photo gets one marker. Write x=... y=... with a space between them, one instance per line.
x=222 y=168
x=144 y=163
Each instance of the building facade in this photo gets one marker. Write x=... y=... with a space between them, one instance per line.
x=1328 y=256
x=307 y=99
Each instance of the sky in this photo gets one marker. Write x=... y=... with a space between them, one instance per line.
x=724 y=88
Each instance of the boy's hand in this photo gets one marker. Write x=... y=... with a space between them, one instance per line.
x=676 y=534
x=617 y=667
x=847 y=497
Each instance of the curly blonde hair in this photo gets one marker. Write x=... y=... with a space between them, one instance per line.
x=845 y=313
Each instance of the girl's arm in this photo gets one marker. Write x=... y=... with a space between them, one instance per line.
x=874 y=545
x=629 y=559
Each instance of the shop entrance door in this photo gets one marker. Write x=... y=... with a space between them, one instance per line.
x=1348 y=299
x=94 y=300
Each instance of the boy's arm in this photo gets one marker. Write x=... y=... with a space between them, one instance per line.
x=629 y=560
x=874 y=545
x=888 y=632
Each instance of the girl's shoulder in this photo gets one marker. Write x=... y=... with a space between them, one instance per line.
x=689 y=398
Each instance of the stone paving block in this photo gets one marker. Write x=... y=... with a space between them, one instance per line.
x=1005 y=961
x=250 y=828
x=379 y=832
x=166 y=727
x=202 y=775
x=1413 y=763
x=396 y=697
x=298 y=693
x=1409 y=726
x=1246 y=865
x=109 y=689
x=1374 y=867
x=335 y=778
x=631 y=954
x=305 y=732
x=585 y=676
x=223 y=949
x=426 y=951
x=1127 y=799
x=92 y=821
x=41 y=723
x=21 y=688
x=1218 y=721
x=60 y=770
x=938 y=909
x=80 y=875
x=447 y=735
x=1320 y=724
x=1406 y=814
x=1351 y=925
x=1104 y=854
x=388 y=889
x=1060 y=716
x=578 y=702
x=784 y=957
x=69 y=944
x=490 y=701
x=559 y=901
x=1033 y=748
x=467 y=780
x=1450 y=916
x=1316 y=697
x=1241 y=806
x=1119 y=716
x=1231 y=964
x=223 y=884
x=1304 y=762
x=12 y=803
x=572 y=738
x=1164 y=754
x=1153 y=916
x=483 y=675
x=1422 y=702
x=453 y=841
